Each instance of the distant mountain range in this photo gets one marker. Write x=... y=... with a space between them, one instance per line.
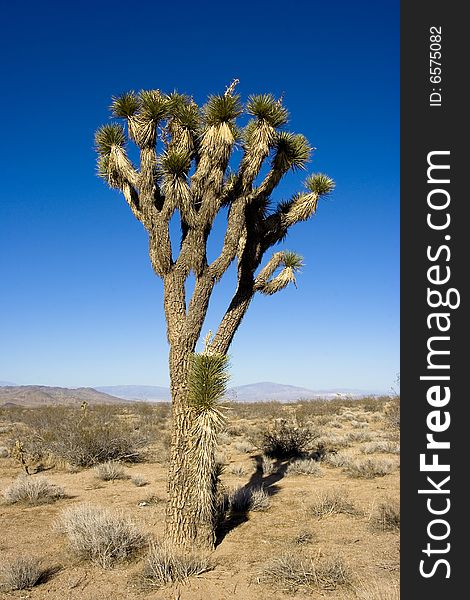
x=265 y=391
x=40 y=395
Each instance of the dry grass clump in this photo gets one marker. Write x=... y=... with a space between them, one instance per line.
x=139 y=480
x=304 y=537
x=110 y=471
x=100 y=534
x=244 y=447
x=381 y=446
x=224 y=438
x=268 y=465
x=387 y=516
x=164 y=566
x=22 y=573
x=332 y=502
x=288 y=440
x=370 y=468
x=304 y=466
x=374 y=590
x=4 y=452
x=292 y=572
x=337 y=459
x=244 y=499
x=32 y=490
x=359 y=436
x=237 y=469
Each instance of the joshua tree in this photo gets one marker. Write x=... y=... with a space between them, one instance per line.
x=187 y=166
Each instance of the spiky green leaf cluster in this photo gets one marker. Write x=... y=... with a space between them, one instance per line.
x=126 y=105
x=292 y=151
x=154 y=105
x=184 y=110
x=267 y=108
x=208 y=379
x=222 y=109
x=108 y=136
x=292 y=260
x=320 y=184
x=175 y=162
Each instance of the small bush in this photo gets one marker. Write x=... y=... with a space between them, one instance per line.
x=387 y=516
x=4 y=452
x=244 y=447
x=139 y=481
x=332 y=502
x=268 y=465
x=337 y=459
x=99 y=534
x=359 y=436
x=22 y=573
x=304 y=466
x=32 y=490
x=110 y=471
x=224 y=438
x=164 y=566
x=392 y=413
x=293 y=572
x=369 y=468
x=287 y=440
x=381 y=446
x=237 y=470
x=245 y=499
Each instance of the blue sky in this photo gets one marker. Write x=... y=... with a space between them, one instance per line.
x=80 y=304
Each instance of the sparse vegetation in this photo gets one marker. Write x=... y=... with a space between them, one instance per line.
x=139 y=480
x=332 y=502
x=304 y=466
x=32 y=490
x=110 y=471
x=244 y=499
x=386 y=517
x=381 y=446
x=268 y=465
x=291 y=572
x=288 y=440
x=370 y=468
x=22 y=573
x=164 y=566
x=100 y=534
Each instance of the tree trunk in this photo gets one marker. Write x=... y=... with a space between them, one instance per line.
x=180 y=521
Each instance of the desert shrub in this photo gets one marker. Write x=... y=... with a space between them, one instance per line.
x=291 y=572
x=82 y=437
x=288 y=440
x=164 y=566
x=381 y=446
x=268 y=465
x=22 y=573
x=237 y=470
x=337 y=459
x=110 y=471
x=359 y=436
x=244 y=447
x=392 y=413
x=4 y=452
x=100 y=534
x=224 y=438
x=32 y=490
x=332 y=502
x=369 y=468
x=304 y=466
x=244 y=499
x=386 y=516
x=139 y=480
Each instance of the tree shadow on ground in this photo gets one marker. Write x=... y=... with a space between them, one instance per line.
x=232 y=519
